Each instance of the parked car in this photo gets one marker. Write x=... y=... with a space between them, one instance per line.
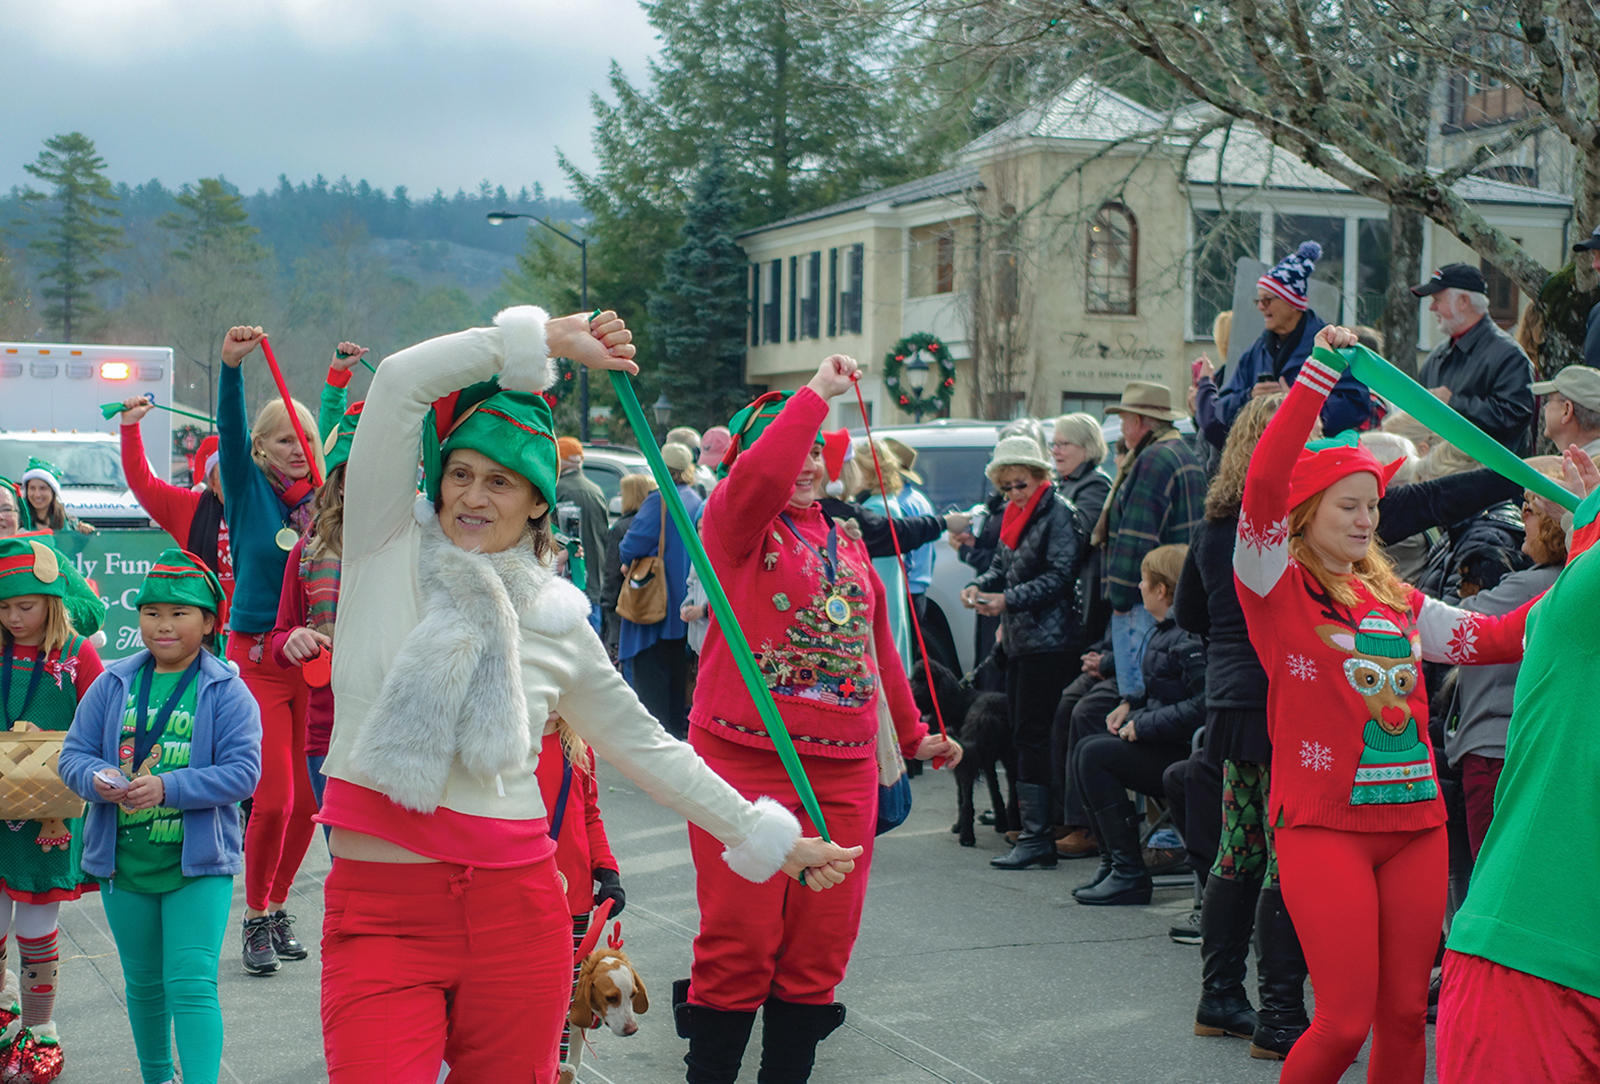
x=605 y=464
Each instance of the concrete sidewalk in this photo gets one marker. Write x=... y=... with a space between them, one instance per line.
x=962 y=974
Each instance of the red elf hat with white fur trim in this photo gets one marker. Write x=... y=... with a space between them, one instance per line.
x=836 y=452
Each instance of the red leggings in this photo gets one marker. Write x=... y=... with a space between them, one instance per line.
x=423 y=964
x=779 y=939
x=1368 y=907
x=280 y=828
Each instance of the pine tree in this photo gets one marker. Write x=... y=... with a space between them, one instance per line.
x=215 y=220
x=699 y=311
x=76 y=240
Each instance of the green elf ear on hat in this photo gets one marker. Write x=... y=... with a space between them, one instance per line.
x=336 y=449
x=749 y=423
x=179 y=578
x=29 y=567
x=513 y=428
x=1381 y=638
x=24 y=513
x=48 y=473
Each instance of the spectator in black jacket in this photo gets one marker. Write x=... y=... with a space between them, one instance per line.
x=1079 y=451
x=1479 y=369
x=1030 y=587
x=1142 y=737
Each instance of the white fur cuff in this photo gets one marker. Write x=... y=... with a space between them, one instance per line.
x=527 y=364
x=761 y=853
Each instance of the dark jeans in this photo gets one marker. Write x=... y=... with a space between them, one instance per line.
x=1107 y=767
x=1033 y=688
x=1081 y=711
x=660 y=678
x=1194 y=794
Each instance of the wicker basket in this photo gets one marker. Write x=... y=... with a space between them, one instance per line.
x=30 y=786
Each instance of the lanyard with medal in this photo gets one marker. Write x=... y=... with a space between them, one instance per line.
x=837 y=608
x=5 y=687
x=145 y=732
x=294 y=495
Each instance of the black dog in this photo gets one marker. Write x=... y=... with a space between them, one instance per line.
x=979 y=720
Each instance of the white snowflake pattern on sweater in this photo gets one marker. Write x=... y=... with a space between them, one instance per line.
x=1316 y=756
x=1302 y=667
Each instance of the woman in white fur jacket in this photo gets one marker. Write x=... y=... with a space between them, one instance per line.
x=446 y=935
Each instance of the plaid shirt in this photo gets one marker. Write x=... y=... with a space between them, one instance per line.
x=1161 y=501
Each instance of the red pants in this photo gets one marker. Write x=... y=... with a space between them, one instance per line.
x=423 y=964
x=1502 y=1026
x=1479 y=778
x=280 y=828
x=1368 y=907
x=779 y=939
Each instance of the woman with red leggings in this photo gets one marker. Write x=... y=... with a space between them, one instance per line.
x=1355 y=802
x=266 y=476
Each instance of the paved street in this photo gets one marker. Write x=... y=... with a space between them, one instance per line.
x=962 y=975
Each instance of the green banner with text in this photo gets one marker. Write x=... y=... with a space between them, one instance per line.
x=116 y=563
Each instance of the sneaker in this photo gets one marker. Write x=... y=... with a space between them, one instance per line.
x=35 y=1058
x=284 y=941
x=260 y=958
x=1187 y=932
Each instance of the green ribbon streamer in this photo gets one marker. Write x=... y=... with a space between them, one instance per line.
x=111 y=410
x=1423 y=405
x=731 y=632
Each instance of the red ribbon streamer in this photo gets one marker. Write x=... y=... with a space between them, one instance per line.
x=294 y=415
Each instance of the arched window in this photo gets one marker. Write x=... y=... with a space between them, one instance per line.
x=1113 y=272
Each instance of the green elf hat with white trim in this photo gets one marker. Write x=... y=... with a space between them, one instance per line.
x=513 y=428
x=749 y=423
x=179 y=578
x=48 y=473
x=24 y=513
x=1379 y=636
x=336 y=449
x=29 y=567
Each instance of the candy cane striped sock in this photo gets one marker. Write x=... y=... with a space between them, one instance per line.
x=40 y=966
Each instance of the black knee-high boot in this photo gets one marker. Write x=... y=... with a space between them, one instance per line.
x=717 y=1038
x=1227 y=914
x=1281 y=978
x=789 y=1037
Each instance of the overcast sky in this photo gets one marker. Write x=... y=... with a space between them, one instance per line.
x=414 y=92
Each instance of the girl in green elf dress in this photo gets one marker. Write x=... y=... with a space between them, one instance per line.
x=45 y=667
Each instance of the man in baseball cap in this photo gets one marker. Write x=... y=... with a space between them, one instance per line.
x=1572 y=408
x=1479 y=369
x=1591 y=340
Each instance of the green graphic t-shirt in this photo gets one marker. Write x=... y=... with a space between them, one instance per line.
x=150 y=841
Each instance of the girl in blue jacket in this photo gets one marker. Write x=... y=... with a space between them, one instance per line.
x=164 y=747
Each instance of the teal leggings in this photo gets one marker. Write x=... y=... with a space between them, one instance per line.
x=169 y=943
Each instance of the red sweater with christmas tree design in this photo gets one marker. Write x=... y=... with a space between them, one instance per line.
x=1346 y=707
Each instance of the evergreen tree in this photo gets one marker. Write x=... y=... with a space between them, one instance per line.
x=212 y=217
x=699 y=312
x=76 y=240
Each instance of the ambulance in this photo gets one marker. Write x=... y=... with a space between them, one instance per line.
x=50 y=399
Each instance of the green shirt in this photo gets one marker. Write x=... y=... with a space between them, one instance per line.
x=150 y=841
x=1534 y=903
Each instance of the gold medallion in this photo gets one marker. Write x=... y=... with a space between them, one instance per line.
x=286 y=538
x=837 y=609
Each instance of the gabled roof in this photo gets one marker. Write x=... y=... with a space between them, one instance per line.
x=949 y=182
x=1085 y=110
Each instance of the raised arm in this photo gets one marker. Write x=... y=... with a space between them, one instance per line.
x=169 y=505
x=335 y=387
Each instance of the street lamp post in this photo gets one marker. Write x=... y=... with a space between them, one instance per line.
x=917 y=379
x=662 y=409
x=498 y=218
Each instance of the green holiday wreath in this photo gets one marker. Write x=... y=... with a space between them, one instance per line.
x=941 y=385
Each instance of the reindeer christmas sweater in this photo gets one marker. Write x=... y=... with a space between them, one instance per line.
x=1346 y=707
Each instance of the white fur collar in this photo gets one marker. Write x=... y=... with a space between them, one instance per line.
x=454 y=690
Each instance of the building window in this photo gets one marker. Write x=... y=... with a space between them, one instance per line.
x=755 y=304
x=850 y=296
x=944 y=264
x=1113 y=261
x=794 y=288
x=1526 y=176
x=1221 y=240
x=811 y=299
x=772 y=311
x=833 y=292
x=1502 y=293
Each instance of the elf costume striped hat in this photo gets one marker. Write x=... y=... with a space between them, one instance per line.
x=179 y=578
x=1381 y=638
x=29 y=567
x=750 y=422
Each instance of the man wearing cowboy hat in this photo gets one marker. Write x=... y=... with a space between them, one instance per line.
x=1158 y=498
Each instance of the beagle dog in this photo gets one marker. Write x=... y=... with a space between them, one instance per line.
x=609 y=992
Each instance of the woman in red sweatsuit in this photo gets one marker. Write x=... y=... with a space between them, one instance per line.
x=814 y=613
x=583 y=853
x=1359 y=822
